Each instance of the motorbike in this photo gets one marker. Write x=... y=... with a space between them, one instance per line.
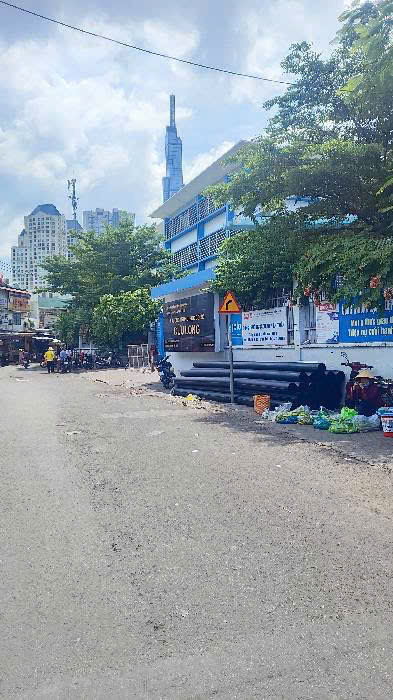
x=167 y=375
x=355 y=366
x=110 y=361
x=386 y=385
x=65 y=366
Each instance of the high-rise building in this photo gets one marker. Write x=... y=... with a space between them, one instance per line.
x=173 y=180
x=5 y=268
x=44 y=236
x=97 y=220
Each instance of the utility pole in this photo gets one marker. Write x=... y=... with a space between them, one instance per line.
x=73 y=198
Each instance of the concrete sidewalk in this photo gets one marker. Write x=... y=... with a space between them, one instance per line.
x=372 y=448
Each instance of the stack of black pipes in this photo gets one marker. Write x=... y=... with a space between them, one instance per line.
x=300 y=383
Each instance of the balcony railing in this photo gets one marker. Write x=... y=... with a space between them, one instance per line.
x=186 y=256
x=190 y=217
x=203 y=249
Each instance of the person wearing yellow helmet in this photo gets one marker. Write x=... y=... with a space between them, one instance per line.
x=50 y=360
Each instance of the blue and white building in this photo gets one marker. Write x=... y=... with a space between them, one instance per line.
x=194 y=228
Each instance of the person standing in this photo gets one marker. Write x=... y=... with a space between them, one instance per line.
x=50 y=360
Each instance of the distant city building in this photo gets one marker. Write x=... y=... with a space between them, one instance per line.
x=97 y=220
x=44 y=236
x=173 y=180
x=5 y=268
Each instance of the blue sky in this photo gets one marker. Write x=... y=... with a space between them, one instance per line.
x=76 y=106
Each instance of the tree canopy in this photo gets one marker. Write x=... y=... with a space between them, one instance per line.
x=330 y=142
x=129 y=312
x=118 y=262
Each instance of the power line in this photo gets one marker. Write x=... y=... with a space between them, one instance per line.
x=138 y=48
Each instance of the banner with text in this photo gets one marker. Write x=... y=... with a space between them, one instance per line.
x=359 y=325
x=327 y=323
x=265 y=327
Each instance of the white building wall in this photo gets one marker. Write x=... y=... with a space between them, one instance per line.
x=210 y=263
x=215 y=224
x=184 y=241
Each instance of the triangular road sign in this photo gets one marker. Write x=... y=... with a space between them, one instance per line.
x=230 y=305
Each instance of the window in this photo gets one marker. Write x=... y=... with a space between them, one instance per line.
x=16 y=318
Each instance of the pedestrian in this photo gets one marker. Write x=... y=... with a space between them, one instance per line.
x=50 y=360
x=366 y=393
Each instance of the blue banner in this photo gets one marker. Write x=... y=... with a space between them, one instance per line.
x=236 y=321
x=358 y=325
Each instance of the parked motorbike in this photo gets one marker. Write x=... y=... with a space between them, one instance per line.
x=65 y=366
x=167 y=375
x=385 y=384
x=111 y=360
x=355 y=366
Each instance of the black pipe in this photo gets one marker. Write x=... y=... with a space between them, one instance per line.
x=280 y=366
x=261 y=385
x=248 y=374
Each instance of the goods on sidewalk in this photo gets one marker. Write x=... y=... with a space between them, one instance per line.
x=386 y=415
x=261 y=403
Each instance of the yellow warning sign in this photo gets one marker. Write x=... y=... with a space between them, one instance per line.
x=230 y=305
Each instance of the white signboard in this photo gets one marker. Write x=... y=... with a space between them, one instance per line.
x=3 y=300
x=327 y=323
x=265 y=327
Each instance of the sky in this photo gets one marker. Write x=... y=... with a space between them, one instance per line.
x=77 y=106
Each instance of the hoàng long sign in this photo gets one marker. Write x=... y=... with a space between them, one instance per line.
x=189 y=324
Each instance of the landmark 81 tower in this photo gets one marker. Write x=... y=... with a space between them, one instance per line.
x=173 y=181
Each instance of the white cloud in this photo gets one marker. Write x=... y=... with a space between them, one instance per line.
x=101 y=123
x=267 y=36
x=76 y=105
x=203 y=160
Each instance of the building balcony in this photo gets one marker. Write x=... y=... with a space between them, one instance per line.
x=201 y=250
x=190 y=217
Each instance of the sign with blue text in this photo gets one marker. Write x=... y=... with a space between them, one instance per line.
x=359 y=325
x=236 y=323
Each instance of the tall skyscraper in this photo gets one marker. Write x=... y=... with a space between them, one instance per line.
x=44 y=236
x=173 y=180
x=99 y=219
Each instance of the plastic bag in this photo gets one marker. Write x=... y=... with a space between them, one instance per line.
x=385 y=411
x=322 y=420
x=305 y=419
x=343 y=426
x=283 y=407
x=322 y=423
x=367 y=423
x=348 y=413
x=286 y=418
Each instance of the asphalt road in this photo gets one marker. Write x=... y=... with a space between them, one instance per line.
x=150 y=550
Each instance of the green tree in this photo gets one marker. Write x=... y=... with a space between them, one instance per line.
x=332 y=145
x=68 y=324
x=129 y=312
x=120 y=260
x=117 y=261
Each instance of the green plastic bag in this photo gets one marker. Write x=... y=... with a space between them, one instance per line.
x=343 y=426
x=347 y=413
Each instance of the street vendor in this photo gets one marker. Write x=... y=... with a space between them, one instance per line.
x=366 y=395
